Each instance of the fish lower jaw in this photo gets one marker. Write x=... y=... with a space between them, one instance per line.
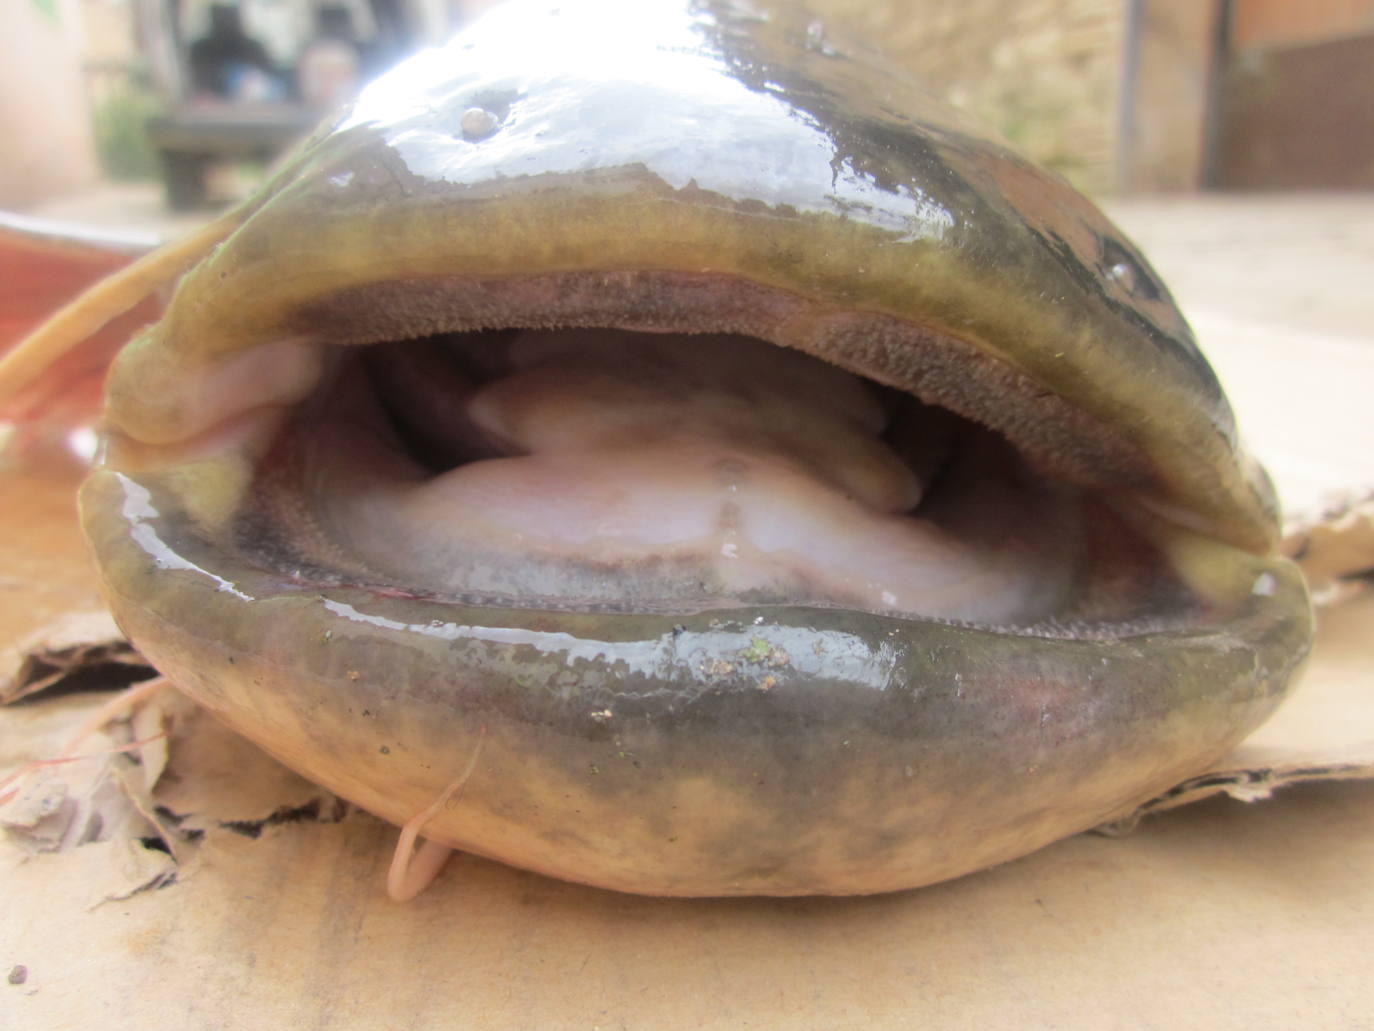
x=709 y=753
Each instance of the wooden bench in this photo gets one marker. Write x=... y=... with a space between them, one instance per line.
x=189 y=137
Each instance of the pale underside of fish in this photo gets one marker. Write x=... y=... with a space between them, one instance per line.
x=740 y=473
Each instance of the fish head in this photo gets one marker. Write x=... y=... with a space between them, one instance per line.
x=792 y=489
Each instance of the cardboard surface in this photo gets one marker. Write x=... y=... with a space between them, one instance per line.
x=1218 y=915
x=271 y=911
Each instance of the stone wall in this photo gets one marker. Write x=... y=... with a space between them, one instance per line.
x=1046 y=73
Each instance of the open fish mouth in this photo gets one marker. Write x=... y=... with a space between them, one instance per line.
x=673 y=467
x=775 y=531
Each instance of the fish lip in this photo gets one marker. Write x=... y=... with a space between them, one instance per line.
x=376 y=697
x=925 y=359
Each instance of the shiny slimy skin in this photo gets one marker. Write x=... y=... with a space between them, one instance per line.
x=778 y=750
x=768 y=751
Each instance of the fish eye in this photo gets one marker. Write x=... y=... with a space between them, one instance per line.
x=1118 y=266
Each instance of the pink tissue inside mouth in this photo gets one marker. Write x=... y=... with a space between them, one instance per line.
x=608 y=466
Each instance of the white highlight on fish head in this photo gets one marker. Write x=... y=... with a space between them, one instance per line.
x=618 y=83
x=478 y=122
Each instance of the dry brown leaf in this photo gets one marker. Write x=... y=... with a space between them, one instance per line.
x=69 y=644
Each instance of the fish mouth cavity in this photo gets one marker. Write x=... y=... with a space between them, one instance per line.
x=662 y=442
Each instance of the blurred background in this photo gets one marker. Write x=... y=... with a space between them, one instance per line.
x=184 y=101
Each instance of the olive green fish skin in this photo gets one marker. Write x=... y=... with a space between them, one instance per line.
x=775 y=750
x=770 y=750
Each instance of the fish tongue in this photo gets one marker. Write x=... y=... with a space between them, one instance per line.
x=665 y=467
x=614 y=391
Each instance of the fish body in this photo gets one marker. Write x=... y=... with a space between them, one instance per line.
x=988 y=378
